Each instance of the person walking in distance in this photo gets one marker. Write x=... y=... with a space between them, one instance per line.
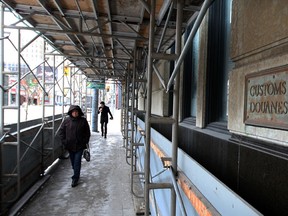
x=75 y=134
x=104 y=110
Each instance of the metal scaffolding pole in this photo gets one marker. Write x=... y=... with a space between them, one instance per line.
x=18 y=102
x=86 y=101
x=63 y=88
x=175 y=125
x=43 y=109
x=43 y=84
x=132 y=119
x=148 y=108
x=1 y=97
x=70 y=87
x=133 y=141
x=126 y=117
x=49 y=104
x=123 y=111
x=186 y=47
x=1 y=68
x=80 y=90
x=53 y=103
x=16 y=172
x=73 y=89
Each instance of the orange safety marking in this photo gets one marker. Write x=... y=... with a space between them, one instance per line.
x=199 y=206
x=157 y=150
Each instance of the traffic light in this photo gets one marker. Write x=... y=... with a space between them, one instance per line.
x=66 y=71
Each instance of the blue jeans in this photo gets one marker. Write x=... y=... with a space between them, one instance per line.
x=75 y=158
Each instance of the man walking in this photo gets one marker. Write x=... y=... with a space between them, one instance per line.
x=104 y=110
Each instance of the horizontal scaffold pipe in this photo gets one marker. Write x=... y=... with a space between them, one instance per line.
x=153 y=186
x=89 y=56
x=87 y=33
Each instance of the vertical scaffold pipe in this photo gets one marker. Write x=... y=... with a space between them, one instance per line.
x=53 y=116
x=176 y=101
x=1 y=68
x=94 y=118
x=148 y=107
x=127 y=108
x=133 y=129
x=18 y=101
x=1 y=95
x=63 y=88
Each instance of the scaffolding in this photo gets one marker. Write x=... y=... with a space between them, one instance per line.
x=12 y=139
x=133 y=82
x=133 y=72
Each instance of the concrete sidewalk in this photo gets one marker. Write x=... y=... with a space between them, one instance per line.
x=104 y=185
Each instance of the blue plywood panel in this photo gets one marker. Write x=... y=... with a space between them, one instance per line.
x=219 y=195
x=160 y=196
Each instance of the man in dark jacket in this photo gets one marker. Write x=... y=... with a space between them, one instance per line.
x=75 y=134
x=104 y=110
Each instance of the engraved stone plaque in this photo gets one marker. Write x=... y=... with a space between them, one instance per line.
x=266 y=98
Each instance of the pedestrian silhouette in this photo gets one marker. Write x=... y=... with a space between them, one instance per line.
x=104 y=110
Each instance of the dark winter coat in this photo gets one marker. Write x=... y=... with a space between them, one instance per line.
x=104 y=114
x=75 y=132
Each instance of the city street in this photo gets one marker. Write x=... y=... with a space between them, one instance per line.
x=35 y=112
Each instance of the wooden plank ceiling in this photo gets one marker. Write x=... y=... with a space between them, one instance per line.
x=99 y=36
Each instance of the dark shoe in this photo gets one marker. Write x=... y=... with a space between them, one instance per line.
x=74 y=183
x=105 y=136
x=102 y=135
